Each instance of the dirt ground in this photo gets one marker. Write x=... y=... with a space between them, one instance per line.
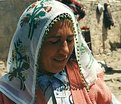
x=112 y=64
x=113 y=71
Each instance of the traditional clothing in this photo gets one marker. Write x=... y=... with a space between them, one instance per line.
x=77 y=78
x=107 y=17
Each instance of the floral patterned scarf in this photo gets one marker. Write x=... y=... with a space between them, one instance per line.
x=20 y=82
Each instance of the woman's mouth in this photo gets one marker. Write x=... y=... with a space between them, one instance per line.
x=61 y=59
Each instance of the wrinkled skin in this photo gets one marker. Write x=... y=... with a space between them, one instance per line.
x=57 y=47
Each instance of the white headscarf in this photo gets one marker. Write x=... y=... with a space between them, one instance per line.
x=20 y=82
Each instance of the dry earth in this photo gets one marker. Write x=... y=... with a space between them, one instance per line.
x=113 y=71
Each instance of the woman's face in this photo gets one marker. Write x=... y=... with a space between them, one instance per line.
x=57 y=47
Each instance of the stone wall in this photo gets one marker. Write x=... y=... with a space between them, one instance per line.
x=10 y=10
x=96 y=29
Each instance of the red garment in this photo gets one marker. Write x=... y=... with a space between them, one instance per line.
x=98 y=93
x=77 y=8
x=5 y=100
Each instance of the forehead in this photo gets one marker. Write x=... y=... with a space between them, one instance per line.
x=65 y=22
x=61 y=27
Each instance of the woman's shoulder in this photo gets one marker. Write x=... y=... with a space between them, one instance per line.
x=4 y=99
x=72 y=61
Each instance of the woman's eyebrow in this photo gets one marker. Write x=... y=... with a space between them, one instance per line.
x=58 y=36
x=48 y=37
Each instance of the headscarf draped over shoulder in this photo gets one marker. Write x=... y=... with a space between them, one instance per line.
x=20 y=82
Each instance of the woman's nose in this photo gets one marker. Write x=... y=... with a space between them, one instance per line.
x=64 y=48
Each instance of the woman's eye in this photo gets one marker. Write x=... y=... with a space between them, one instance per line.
x=54 y=41
x=69 y=40
x=57 y=41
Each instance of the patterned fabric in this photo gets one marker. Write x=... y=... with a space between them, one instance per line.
x=60 y=86
x=20 y=82
x=98 y=93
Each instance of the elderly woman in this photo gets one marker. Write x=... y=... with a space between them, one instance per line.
x=41 y=67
